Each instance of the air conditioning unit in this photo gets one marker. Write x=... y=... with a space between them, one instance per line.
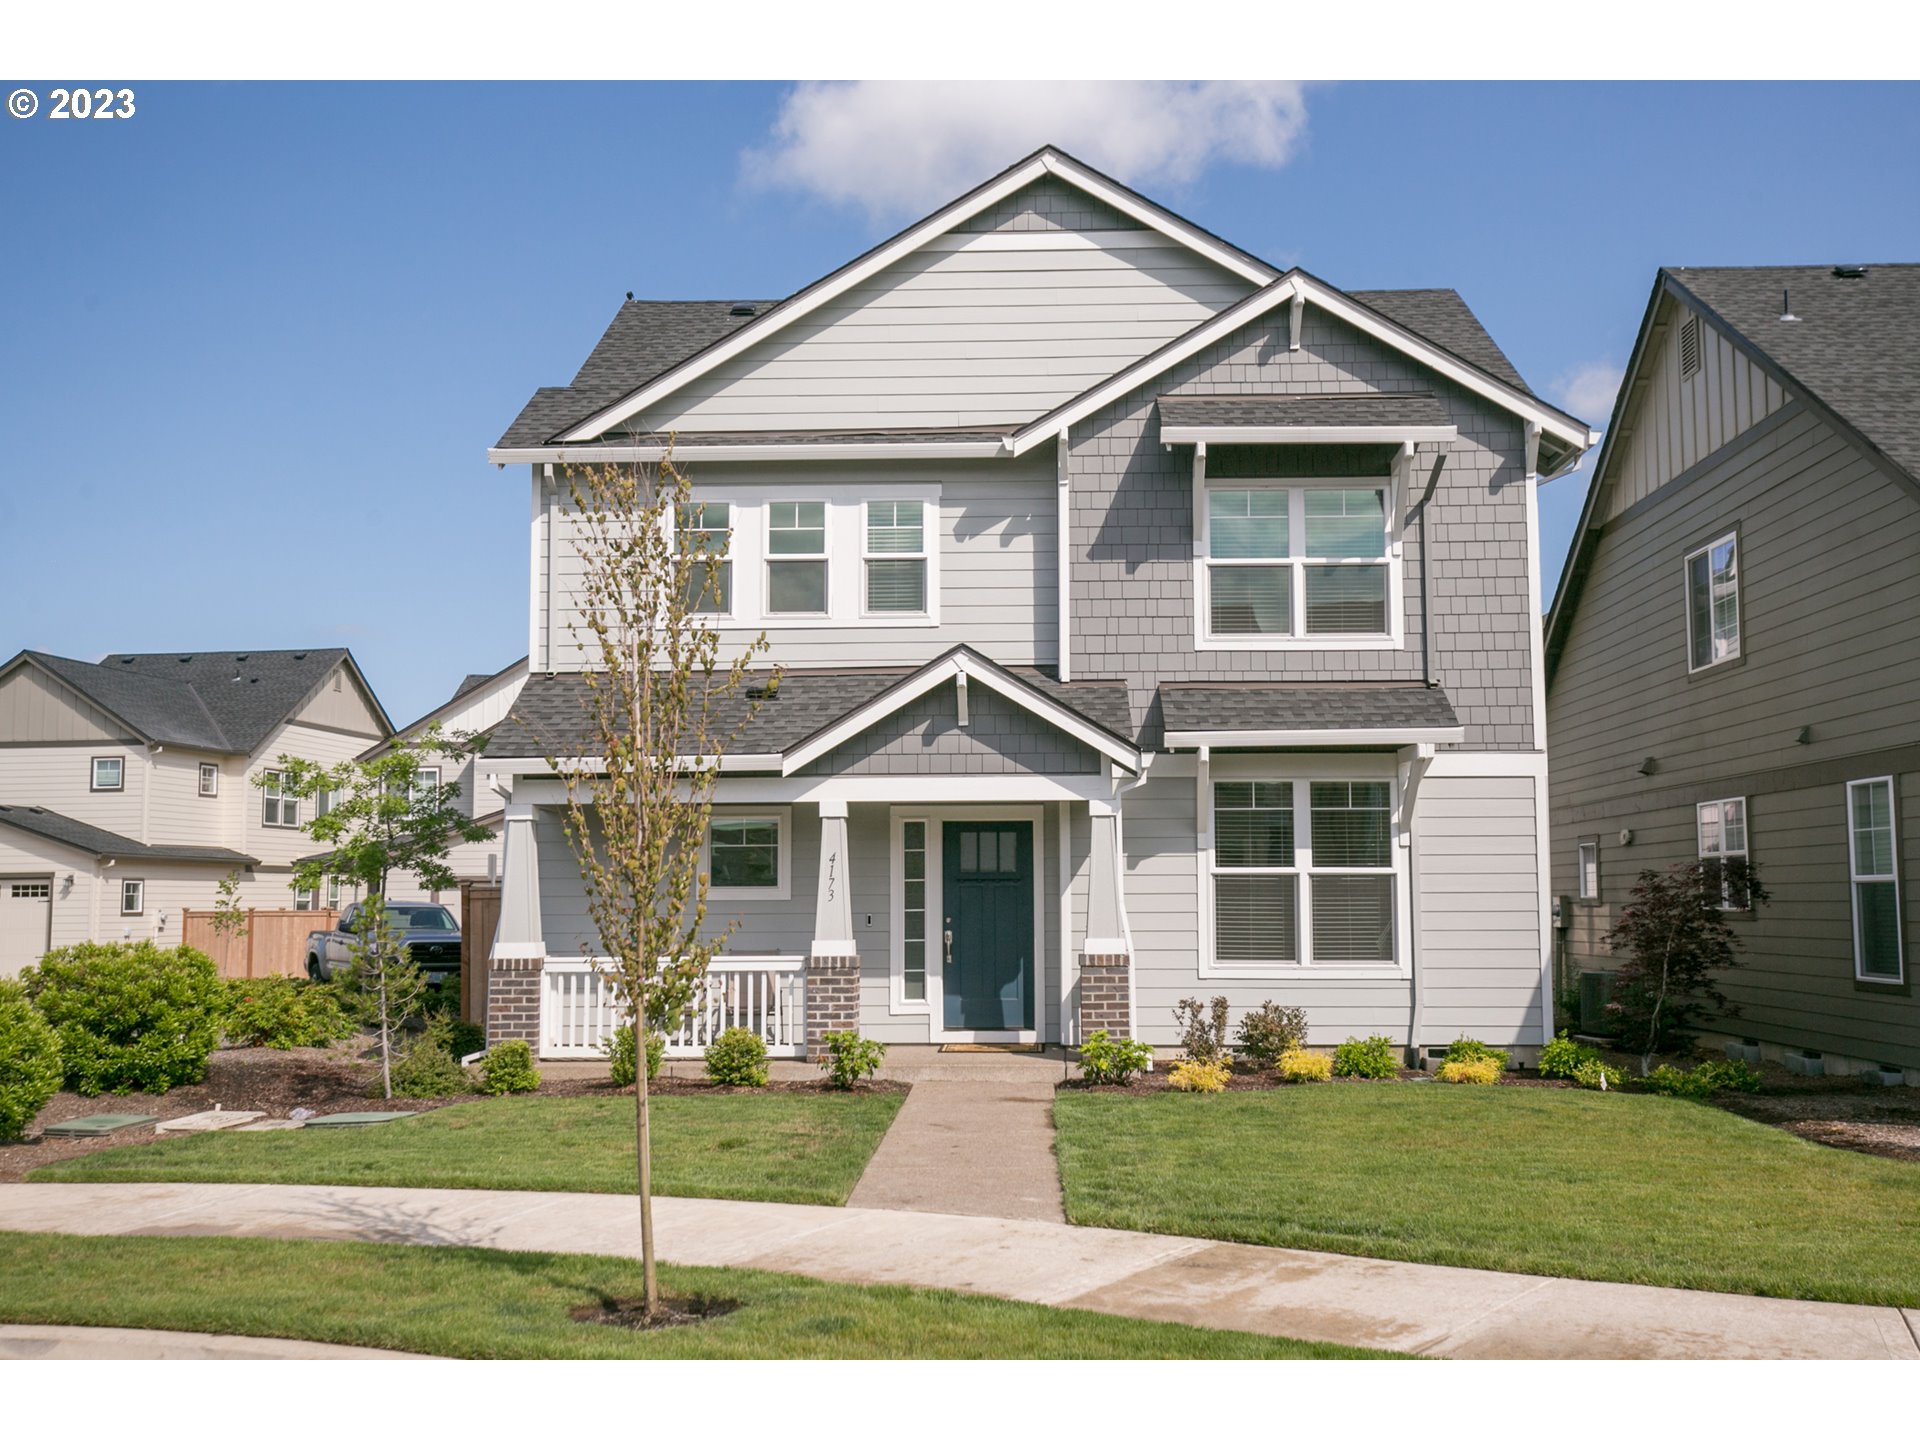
x=1596 y=989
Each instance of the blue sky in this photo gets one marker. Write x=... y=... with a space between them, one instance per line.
x=255 y=340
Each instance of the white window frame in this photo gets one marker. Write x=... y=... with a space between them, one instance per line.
x=414 y=786
x=729 y=557
x=272 y=794
x=32 y=889
x=306 y=899
x=1586 y=856
x=209 y=780
x=333 y=892
x=1725 y=852
x=779 y=816
x=93 y=774
x=929 y=542
x=823 y=558
x=1854 y=877
x=897 y=1001
x=139 y=889
x=1732 y=537
x=1296 y=563
x=1302 y=770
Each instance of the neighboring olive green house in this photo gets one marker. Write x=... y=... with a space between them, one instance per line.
x=1733 y=657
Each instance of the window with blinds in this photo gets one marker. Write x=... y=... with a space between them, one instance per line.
x=896 y=557
x=1256 y=884
x=1288 y=562
x=1872 y=850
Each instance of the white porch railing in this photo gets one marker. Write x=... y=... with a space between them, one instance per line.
x=767 y=994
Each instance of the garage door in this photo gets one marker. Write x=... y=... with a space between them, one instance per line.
x=26 y=907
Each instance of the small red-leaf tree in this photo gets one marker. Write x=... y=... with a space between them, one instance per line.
x=1676 y=940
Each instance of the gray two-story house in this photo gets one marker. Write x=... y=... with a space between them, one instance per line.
x=1733 y=657
x=1154 y=621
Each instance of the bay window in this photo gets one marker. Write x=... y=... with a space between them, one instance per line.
x=1296 y=563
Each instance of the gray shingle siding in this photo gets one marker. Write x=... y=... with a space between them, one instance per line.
x=924 y=737
x=1132 y=537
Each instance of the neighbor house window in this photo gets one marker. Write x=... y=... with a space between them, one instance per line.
x=333 y=892
x=305 y=899
x=425 y=780
x=1722 y=829
x=896 y=557
x=1713 y=603
x=1256 y=885
x=913 y=910
x=1297 y=563
x=797 y=557
x=747 y=855
x=1587 y=868
x=209 y=780
x=706 y=532
x=277 y=808
x=109 y=772
x=1873 y=862
x=32 y=889
x=133 y=896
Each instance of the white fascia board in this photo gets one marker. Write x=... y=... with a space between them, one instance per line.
x=1130 y=205
x=952 y=668
x=534 y=765
x=649 y=454
x=1305 y=434
x=1295 y=739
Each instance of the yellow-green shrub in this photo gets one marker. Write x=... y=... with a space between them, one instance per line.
x=1297 y=1066
x=1484 y=1071
x=1208 y=1077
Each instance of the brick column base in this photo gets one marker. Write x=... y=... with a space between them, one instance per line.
x=1103 y=995
x=833 y=998
x=513 y=999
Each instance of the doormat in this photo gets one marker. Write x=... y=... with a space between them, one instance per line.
x=88 y=1125
x=970 y=1049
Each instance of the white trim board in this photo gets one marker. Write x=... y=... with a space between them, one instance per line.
x=1319 y=739
x=1306 y=434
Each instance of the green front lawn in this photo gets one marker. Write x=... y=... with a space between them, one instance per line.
x=1634 y=1188
x=804 y=1149
x=498 y=1304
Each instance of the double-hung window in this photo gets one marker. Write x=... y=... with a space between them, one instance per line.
x=1285 y=563
x=1713 y=603
x=797 y=557
x=747 y=856
x=704 y=529
x=1587 y=867
x=1256 y=882
x=1722 y=828
x=133 y=897
x=280 y=810
x=1350 y=879
x=209 y=780
x=895 y=554
x=1873 y=868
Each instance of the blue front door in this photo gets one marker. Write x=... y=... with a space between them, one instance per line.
x=987 y=972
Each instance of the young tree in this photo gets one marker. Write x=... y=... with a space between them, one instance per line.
x=662 y=708
x=1676 y=938
x=229 y=915
x=383 y=816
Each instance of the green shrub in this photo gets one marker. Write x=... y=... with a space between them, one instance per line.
x=509 y=1069
x=1301 y=1067
x=1729 y=1075
x=1703 y=1080
x=1472 y=1052
x=619 y=1051
x=1271 y=1031
x=29 y=1061
x=279 y=1012
x=1203 y=1028
x=1561 y=1056
x=1482 y=1071
x=461 y=1037
x=1596 y=1074
x=737 y=1057
x=1208 y=1077
x=426 y=1071
x=1373 y=1058
x=130 y=1016
x=1105 y=1060
x=849 y=1058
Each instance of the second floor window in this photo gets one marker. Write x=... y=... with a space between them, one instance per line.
x=1587 y=864
x=277 y=809
x=109 y=772
x=797 y=557
x=1713 y=603
x=1294 y=563
x=1722 y=826
x=209 y=780
x=705 y=530
x=896 y=557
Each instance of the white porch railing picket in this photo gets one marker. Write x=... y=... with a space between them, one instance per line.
x=767 y=994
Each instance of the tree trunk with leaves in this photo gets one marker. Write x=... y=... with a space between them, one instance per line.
x=663 y=707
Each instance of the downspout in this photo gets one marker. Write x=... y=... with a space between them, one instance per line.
x=1417 y=763
x=1063 y=566
x=1419 y=512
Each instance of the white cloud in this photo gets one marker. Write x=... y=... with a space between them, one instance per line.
x=903 y=147
x=1587 y=391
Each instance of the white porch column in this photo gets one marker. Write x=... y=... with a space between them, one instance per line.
x=519 y=950
x=1106 y=957
x=833 y=963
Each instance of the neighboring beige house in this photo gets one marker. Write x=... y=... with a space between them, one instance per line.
x=127 y=787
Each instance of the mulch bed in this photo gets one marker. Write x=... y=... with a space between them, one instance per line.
x=628 y=1312
x=324 y=1081
x=1156 y=1083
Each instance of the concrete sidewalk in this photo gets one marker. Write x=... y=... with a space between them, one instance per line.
x=98 y=1342
x=1423 y=1309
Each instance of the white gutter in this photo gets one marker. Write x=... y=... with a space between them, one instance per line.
x=1063 y=571
x=1306 y=434
x=647 y=454
x=535 y=765
x=1296 y=739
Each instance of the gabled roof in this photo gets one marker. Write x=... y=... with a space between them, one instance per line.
x=1852 y=352
x=228 y=702
x=91 y=840
x=466 y=694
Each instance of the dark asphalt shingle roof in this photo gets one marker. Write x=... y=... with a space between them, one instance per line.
x=92 y=840
x=225 y=701
x=551 y=715
x=1411 y=408
x=1855 y=346
x=1442 y=317
x=1331 y=705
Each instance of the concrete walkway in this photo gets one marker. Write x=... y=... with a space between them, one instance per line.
x=971 y=1148
x=97 y=1342
x=1424 y=1309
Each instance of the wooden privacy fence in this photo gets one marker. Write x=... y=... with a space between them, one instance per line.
x=479 y=915
x=275 y=942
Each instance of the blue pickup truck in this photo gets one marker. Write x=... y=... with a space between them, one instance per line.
x=429 y=934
